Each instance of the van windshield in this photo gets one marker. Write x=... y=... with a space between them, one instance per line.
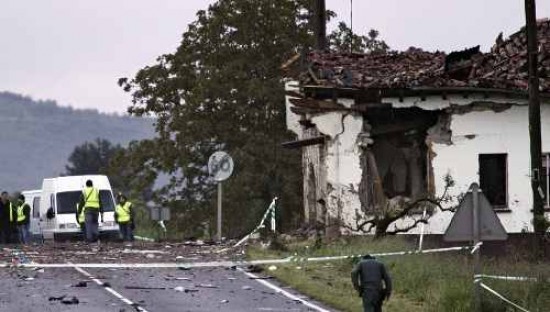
x=66 y=201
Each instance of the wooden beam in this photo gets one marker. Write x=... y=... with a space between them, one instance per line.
x=305 y=142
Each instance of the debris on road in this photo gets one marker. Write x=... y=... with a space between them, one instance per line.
x=246 y=287
x=224 y=301
x=261 y=277
x=145 y=288
x=254 y=269
x=272 y=268
x=185 y=290
x=73 y=300
x=173 y=278
x=206 y=286
x=81 y=284
x=53 y=298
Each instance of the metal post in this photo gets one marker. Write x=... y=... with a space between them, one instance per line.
x=320 y=24
x=477 y=253
x=219 y=236
x=422 y=227
x=534 y=115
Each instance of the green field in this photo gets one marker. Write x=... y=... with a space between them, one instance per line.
x=431 y=282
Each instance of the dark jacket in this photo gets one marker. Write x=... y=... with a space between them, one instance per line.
x=27 y=213
x=5 y=218
x=371 y=275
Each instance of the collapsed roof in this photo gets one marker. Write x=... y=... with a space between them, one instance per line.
x=505 y=67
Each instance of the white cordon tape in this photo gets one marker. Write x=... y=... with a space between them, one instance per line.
x=501 y=297
x=506 y=278
x=142 y=238
x=213 y=264
x=284 y=292
x=269 y=212
x=476 y=247
x=108 y=289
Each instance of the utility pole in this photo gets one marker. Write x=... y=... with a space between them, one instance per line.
x=534 y=117
x=320 y=22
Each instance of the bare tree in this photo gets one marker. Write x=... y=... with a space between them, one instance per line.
x=388 y=211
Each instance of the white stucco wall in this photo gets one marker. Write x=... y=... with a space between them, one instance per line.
x=504 y=132
x=473 y=133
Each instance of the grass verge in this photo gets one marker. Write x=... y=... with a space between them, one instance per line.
x=431 y=282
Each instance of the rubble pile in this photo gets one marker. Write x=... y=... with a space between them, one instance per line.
x=504 y=67
x=144 y=252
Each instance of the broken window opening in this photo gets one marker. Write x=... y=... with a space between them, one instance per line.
x=493 y=173
x=400 y=153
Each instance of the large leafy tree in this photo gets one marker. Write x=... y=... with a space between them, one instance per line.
x=223 y=90
x=91 y=157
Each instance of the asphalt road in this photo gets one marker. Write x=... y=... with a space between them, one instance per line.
x=196 y=289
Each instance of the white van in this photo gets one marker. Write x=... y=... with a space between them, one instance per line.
x=32 y=198
x=58 y=206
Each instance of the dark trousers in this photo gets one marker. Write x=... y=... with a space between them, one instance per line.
x=126 y=231
x=8 y=234
x=372 y=301
x=91 y=225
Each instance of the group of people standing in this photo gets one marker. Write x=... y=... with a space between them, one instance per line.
x=89 y=212
x=14 y=220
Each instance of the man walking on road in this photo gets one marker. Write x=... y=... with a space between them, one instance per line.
x=373 y=283
x=124 y=216
x=23 y=220
x=89 y=199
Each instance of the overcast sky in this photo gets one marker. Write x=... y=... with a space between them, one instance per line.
x=73 y=51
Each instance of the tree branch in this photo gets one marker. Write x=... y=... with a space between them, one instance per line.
x=408 y=228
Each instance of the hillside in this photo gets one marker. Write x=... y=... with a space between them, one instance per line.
x=36 y=137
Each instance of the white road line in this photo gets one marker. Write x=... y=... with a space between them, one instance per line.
x=108 y=289
x=283 y=292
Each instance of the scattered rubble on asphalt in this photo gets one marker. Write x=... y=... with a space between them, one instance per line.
x=80 y=284
x=114 y=252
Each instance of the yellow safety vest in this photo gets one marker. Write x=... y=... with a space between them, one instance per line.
x=123 y=212
x=91 y=198
x=20 y=213
x=81 y=215
x=11 y=212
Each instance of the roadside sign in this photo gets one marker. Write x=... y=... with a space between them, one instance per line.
x=160 y=214
x=462 y=226
x=220 y=166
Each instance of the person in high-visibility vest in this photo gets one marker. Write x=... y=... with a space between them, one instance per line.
x=23 y=220
x=124 y=216
x=80 y=219
x=89 y=199
x=9 y=220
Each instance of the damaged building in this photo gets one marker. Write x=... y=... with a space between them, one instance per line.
x=380 y=132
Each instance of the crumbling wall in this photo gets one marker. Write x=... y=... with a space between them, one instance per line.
x=314 y=174
x=343 y=169
x=479 y=125
x=341 y=183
